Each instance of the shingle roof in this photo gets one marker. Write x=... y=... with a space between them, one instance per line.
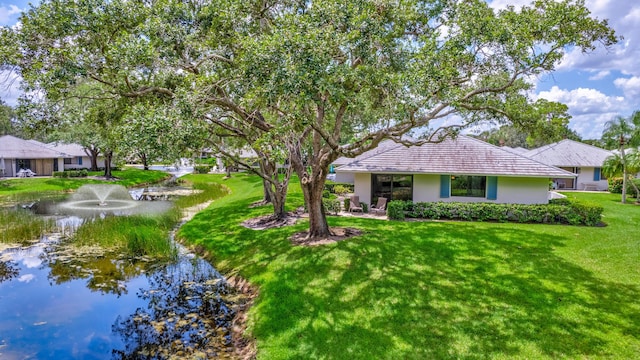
x=69 y=149
x=382 y=147
x=461 y=156
x=569 y=153
x=515 y=150
x=12 y=147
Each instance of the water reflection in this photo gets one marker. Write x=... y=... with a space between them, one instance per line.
x=8 y=270
x=68 y=302
x=188 y=314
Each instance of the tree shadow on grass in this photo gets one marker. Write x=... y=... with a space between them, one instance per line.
x=419 y=290
x=443 y=290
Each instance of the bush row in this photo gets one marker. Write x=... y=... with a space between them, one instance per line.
x=615 y=186
x=71 y=173
x=556 y=212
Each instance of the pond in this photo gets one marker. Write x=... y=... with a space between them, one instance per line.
x=62 y=302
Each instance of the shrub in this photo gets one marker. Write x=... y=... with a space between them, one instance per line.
x=346 y=202
x=331 y=205
x=341 y=189
x=71 y=173
x=330 y=185
x=561 y=211
x=202 y=169
x=395 y=210
x=615 y=186
x=325 y=194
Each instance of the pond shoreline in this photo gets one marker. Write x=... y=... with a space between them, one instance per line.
x=244 y=348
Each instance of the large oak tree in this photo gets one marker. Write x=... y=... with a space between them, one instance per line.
x=313 y=72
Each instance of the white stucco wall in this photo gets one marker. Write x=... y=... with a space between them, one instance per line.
x=586 y=177
x=426 y=188
x=523 y=190
x=362 y=186
x=86 y=163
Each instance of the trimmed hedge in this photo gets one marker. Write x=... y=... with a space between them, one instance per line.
x=71 y=173
x=556 y=212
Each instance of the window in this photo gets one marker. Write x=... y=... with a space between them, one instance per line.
x=67 y=161
x=469 y=186
x=392 y=187
x=23 y=164
x=602 y=176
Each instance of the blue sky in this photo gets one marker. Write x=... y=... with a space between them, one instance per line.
x=597 y=87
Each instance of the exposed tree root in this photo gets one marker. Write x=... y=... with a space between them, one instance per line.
x=337 y=234
x=270 y=221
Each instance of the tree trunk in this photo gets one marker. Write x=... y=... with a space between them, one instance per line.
x=312 y=191
x=275 y=189
x=145 y=162
x=108 y=155
x=93 y=153
x=266 y=186
x=312 y=186
x=278 y=197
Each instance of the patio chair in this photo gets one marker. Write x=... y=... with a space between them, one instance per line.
x=354 y=204
x=380 y=207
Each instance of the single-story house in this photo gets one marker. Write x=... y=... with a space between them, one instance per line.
x=348 y=177
x=582 y=159
x=462 y=170
x=77 y=158
x=17 y=154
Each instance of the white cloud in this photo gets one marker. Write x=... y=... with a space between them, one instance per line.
x=630 y=86
x=7 y=13
x=589 y=108
x=26 y=278
x=624 y=18
x=584 y=101
x=590 y=126
x=600 y=75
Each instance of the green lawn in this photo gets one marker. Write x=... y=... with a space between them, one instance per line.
x=433 y=290
x=24 y=188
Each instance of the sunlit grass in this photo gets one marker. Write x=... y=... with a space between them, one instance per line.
x=433 y=290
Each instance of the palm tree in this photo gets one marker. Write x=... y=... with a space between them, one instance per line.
x=613 y=167
x=620 y=133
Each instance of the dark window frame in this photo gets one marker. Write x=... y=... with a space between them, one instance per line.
x=394 y=190
x=469 y=186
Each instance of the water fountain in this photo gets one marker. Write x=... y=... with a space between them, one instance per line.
x=94 y=199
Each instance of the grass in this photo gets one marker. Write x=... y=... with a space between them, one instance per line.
x=433 y=290
x=131 y=235
x=27 y=189
x=22 y=225
x=140 y=235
